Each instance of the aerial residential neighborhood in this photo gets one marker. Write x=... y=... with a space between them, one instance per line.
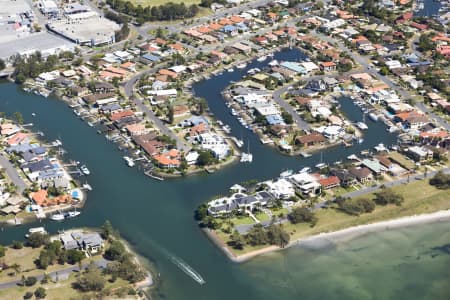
x=269 y=124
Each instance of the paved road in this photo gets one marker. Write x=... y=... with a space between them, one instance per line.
x=288 y=108
x=13 y=174
x=365 y=63
x=101 y=263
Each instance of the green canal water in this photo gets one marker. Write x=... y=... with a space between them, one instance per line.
x=157 y=218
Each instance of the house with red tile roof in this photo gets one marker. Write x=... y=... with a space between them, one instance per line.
x=17 y=139
x=419 y=26
x=328 y=66
x=121 y=114
x=169 y=73
x=39 y=197
x=168 y=160
x=137 y=129
x=404 y=18
x=329 y=182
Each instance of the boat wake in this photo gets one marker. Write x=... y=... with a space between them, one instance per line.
x=187 y=269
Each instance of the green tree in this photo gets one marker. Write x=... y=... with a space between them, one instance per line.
x=278 y=236
x=388 y=196
x=75 y=256
x=2 y=64
x=115 y=251
x=91 y=279
x=40 y=293
x=441 y=180
x=37 y=239
x=170 y=114
x=30 y=281
x=287 y=117
x=16 y=268
x=18 y=117
x=28 y=295
x=302 y=215
x=107 y=230
x=236 y=240
x=257 y=235
x=205 y=158
x=17 y=245
x=2 y=251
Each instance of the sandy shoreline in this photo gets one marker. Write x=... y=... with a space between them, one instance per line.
x=340 y=235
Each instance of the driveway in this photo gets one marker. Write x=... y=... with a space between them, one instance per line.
x=13 y=174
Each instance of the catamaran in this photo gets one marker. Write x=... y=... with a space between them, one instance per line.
x=247 y=157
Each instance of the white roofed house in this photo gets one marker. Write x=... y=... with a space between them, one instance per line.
x=280 y=188
x=215 y=143
x=306 y=184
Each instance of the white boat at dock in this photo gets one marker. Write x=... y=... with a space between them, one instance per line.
x=87 y=187
x=230 y=70
x=241 y=66
x=262 y=58
x=352 y=157
x=57 y=217
x=362 y=125
x=305 y=170
x=273 y=63
x=72 y=214
x=286 y=173
x=40 y=230
x=392 y=129
x=85 y=170
x=380 y=147
x=321 y=166
x=305 y=154
x=238 y=142
x=226 y=128
x=129 y=161
x=373 y=116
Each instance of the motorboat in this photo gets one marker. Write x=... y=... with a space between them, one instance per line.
x=321 y=166
x=129 y=161
x=230 y=70
x=85 y=170
x=71 y=214
x=40 y=230
x=273 y=63
x=392 y=129
x=286 y=173
x=305 y=170
x=380 y=147
x=58 y=217
x=373 y=117
x=262 y=58
x=362 y=125
x=241 y=66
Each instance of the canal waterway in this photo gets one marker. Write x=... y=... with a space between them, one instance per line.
x=157 y=217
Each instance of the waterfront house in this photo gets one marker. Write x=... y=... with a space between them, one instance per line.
x=309 y=140
x=280 y=188
x=306 y=184
x=362 y=174
x=91 y=243
x=17 y=139
x=419 y=154
x=344 y=176
x=8 y=129
x=329 y=182
x=374 y=166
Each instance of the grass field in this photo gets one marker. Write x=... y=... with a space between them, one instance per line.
x=420 y=198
